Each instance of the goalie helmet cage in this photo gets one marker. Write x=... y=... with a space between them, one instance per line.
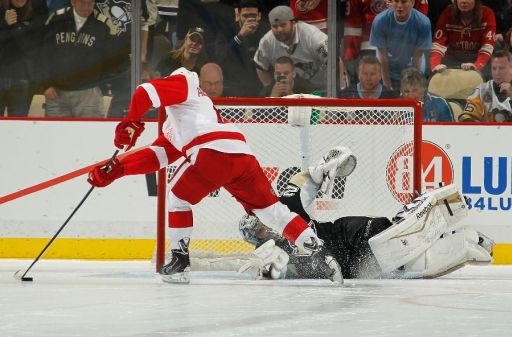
x=384 y=134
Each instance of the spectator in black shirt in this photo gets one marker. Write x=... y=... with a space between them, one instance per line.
x=235 y=50
x=21 y=24
x=75 y=43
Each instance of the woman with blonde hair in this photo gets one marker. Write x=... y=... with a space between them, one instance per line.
x=464 y=36
x=191 y=54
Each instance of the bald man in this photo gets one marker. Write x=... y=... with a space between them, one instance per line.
x=211 y=79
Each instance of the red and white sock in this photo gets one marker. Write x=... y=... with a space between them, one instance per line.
x=180 y=226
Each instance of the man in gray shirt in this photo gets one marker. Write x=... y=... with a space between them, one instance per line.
x=305 y=44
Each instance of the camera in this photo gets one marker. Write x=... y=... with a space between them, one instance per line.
x=281 y=78
x=251 y=18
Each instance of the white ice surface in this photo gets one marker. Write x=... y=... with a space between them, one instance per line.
x=125 y=299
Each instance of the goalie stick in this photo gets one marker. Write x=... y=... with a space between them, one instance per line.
x=23 y=277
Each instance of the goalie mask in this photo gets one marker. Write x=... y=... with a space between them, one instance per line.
x=255 y=232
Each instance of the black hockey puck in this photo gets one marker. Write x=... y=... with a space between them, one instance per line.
x=18 y=276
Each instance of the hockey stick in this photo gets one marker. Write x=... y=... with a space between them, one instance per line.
x=25 y=278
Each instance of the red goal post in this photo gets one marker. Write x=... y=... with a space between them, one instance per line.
x=384 y=134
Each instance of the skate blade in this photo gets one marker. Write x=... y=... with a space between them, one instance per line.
x=177 y=278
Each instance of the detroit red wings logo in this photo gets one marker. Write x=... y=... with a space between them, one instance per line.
x=377 y=6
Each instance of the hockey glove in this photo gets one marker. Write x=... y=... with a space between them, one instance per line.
x=127 y=133
x=99 y=177
x=338 y=162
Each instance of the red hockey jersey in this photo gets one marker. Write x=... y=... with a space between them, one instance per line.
x=353 y=29
x=465 y=43
x=316 y=16
x=192 y=120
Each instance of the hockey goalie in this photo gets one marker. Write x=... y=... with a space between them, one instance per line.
x=424 y=239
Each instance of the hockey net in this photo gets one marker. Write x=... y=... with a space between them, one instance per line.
x=385 y=136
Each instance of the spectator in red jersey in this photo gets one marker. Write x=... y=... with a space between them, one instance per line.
x=464 y=36
x=352 y=42
x=313 y=12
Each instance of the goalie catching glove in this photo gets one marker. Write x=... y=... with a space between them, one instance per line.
x=102 y=176
x=338 y=162
x=127 y=133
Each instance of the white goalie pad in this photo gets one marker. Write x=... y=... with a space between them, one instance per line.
x=268 y=259
x=451 y=252
x=230 y=263
x=418 y=227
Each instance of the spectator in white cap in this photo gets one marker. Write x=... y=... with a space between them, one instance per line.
x=304 y=44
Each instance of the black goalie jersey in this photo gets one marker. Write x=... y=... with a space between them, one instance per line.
x=346 y=238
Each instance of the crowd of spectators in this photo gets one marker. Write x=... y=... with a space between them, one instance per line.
x=76 y=52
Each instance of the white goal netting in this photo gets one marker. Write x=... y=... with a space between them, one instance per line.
x=381 y=136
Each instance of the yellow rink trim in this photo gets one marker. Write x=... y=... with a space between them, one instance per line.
x=133 y=249
x=108 y=249
x=502 y=253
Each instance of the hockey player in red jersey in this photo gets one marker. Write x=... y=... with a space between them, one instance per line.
x=216 y=155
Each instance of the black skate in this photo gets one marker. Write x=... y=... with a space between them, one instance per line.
x=177 y=271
